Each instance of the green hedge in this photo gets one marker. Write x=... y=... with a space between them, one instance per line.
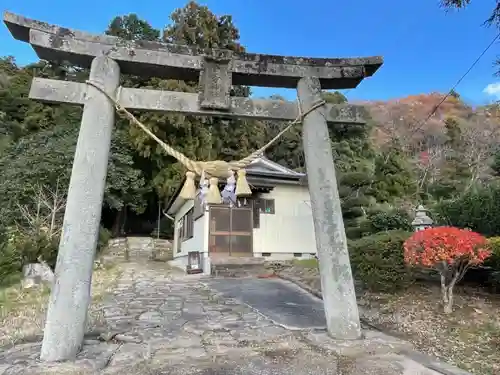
x=493 y=261
x=377 y=261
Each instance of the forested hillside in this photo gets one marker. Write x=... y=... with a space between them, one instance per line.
x=398 y=160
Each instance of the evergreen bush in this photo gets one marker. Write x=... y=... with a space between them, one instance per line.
x=18 y=248
x=476 y=210
x=104 y=237
x=10 y=264
x=494 y=262
x=394 y=220
x=377 y=261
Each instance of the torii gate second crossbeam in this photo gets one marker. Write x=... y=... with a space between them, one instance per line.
x=216 y=70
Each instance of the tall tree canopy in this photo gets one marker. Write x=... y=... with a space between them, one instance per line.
x=492 y=20
x=131 y=27
x=494 y=17
x=37 y=140
x=197 y=137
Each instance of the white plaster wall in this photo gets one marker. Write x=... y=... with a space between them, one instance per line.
x=290 y=230
x=180 y=262
x=284 y=256
x=199 y=241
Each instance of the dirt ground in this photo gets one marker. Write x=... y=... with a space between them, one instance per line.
x=22 y=311
x=468 y=338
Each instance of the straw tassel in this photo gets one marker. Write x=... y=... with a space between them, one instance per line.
x=213 y=195
x=188 y=191
x=242 y=187
x=214 y=168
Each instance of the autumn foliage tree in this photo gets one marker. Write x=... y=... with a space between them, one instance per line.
x=450 y=251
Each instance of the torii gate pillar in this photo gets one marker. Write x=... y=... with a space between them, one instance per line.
x=339 y=297
x=67 y=312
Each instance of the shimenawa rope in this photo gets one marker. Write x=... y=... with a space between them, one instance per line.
x=213 y=169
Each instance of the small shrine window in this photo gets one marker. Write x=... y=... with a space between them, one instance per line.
x=187 y=225
x=267 y=206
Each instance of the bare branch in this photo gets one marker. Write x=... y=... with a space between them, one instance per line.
x=48 y=205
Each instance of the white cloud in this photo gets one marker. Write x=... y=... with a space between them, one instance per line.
x=493 y=89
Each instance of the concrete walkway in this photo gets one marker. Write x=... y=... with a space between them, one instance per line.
x=281 y=301
x=160 y=322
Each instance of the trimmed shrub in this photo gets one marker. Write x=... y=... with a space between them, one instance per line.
x=378 y=262
x=384 y=221
x=476 y=210
x=353 y=233
x=494 y=262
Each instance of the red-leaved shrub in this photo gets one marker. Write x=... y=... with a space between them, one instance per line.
x=449 y=250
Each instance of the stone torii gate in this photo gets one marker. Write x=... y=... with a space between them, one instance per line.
x=216 y=71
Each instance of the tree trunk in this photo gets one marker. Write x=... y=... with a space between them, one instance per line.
x=117 y=224
x=444 y=293
x=447 y=293
x=124 y=221
x=448 y=306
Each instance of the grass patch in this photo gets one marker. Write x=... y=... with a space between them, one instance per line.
x=22 y=311
x=305 y=263
x=10 y=280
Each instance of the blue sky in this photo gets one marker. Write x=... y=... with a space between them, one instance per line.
x=425 y=48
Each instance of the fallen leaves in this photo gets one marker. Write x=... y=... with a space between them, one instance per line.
x=468 y=338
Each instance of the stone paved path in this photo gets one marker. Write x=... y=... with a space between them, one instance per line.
x=166 y=323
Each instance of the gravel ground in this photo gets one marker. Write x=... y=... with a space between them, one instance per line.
x=468 y=338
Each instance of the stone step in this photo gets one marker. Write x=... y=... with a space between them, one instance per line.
x=227 y=259
x=140 y=247
x=227 y=266
x=148 y=247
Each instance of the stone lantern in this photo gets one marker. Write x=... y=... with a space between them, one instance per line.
x=422 y=220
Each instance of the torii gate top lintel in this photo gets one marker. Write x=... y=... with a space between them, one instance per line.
x=216 y=71
x=146 y=58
